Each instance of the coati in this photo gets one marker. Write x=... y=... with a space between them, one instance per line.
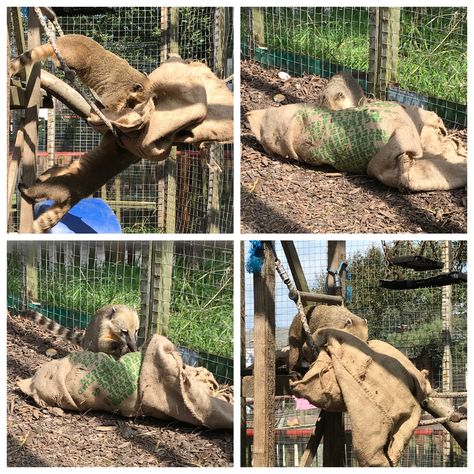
x=69 y=184
x=318 y=317
x=113 y=329
x=117 y=84
x=342 y=92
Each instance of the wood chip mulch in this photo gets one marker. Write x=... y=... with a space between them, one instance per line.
x=53 y=437
x=281 y=196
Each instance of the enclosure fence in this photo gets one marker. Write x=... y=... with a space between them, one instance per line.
x=428 y=325
x=190 y=192
x=414 y=55
x=182 y=290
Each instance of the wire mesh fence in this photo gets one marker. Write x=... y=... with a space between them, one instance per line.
x=414 y=321
x=147 y=197
x=180 y=289
x=412 y=55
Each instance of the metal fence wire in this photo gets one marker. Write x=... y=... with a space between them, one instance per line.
x=415 y=55
x=171 y=196
x=414 y=321
x=180 y=289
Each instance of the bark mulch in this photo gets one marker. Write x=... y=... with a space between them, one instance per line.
x=281 y=196
x=53 y=437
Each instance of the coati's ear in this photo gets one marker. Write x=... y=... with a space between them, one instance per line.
x=137 y=87
x=348 y=323
x=340 y=95
x=112 y=312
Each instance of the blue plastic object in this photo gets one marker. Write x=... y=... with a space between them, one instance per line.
x=88 y=216
x=255 y=258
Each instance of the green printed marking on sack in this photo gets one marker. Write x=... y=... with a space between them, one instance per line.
x=347 y=139
x=118 y=378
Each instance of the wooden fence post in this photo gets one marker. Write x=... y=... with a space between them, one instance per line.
x=243 y=413
x=384 y=35
x=447 y=321
x=334 y=433
x=264 y=367
x=33 y=98
x=258 y=27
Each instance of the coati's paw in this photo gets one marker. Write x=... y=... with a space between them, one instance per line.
x=24 y=193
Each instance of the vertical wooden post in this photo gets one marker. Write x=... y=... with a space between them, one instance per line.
x=19 y=35
x=213 y=199
x=51 y=135
x=447 y=321
x=162 y=279
x=145 y=289
x=384 y=31
x=258 y=27
x=170 y=171
x=221 y=32
x=118 y=197
x=243 y=413
x=160 y=166
x=264 y=367
x=13 y=168
x=171 y=162
x=33 y=98
x=31 y=272
x=334 y=433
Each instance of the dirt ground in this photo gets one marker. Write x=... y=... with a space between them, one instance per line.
x=53 y=437
x=281 y=196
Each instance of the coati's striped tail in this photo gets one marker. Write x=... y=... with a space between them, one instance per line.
x=70 y=335
x=50 y=218
x=30 y=57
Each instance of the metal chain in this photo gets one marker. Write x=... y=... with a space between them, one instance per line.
x=295 y=295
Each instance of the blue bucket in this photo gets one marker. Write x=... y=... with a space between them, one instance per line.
x=88 y=216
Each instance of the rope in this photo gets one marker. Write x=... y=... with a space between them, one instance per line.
x=447 y=395
x=295 y=295
x=443 y=419
x=69 y=74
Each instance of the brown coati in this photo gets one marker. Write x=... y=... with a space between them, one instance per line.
x=67 y=185
x=113 y=329
x=342 y=92
x=117 y=84
x=318 y=317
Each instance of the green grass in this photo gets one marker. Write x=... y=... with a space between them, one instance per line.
x=201 y=308
x=432 y=53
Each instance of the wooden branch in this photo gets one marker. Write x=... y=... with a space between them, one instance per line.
x=440 y=408
x=65 y=94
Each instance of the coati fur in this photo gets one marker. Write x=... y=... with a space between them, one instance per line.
x=318 y=317
x=117 y=84
x=342 y=92
x=113 y=329
x=69 y=184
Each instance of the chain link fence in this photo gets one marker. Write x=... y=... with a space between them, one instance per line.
x=192 y=191
x=414 y=321
x=180 y=289
x=414 y=55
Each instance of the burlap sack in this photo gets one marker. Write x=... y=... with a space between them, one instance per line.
x=379 y=139
x=154 y=382
x=377 y=384
x=189 y=105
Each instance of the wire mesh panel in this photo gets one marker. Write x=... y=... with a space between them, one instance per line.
x=411 y=55
x=69 y=281
x=428 y=324
x=147 y=197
